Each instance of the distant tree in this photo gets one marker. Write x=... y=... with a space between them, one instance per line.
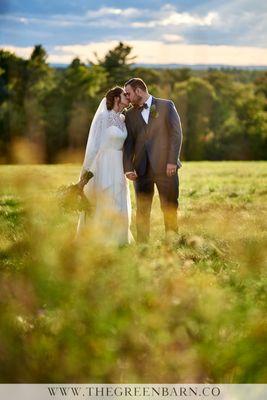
x=238 y=120
x=194 y=99
x=70 y=106
x=223 y=111
x=117 y=63
x=12 y=90
x=152 y=78
x=261 y=85
x=251 y=127
x=39 y=81
x=177 y=75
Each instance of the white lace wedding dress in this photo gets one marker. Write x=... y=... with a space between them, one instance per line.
x=109 y=186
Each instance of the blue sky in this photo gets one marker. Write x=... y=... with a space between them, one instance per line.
x=226 y=32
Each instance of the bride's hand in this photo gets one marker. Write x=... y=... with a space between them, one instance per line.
x=86 y=176
x=131 y=175
x=80 y=185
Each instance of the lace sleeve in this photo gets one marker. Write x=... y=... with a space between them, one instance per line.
x=115 y=119
x=94 y=141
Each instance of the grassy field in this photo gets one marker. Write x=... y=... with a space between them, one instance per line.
x=190 y=310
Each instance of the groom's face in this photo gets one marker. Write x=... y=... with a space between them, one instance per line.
x=133 y=95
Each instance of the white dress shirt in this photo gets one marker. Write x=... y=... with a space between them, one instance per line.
x=145 y=112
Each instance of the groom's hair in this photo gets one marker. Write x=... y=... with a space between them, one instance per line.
x=137 y=83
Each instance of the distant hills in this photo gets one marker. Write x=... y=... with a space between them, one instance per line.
x=191 y=66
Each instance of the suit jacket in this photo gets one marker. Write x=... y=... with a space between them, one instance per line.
x=159 y=141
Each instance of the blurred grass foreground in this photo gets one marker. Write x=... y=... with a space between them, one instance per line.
x=190 y=310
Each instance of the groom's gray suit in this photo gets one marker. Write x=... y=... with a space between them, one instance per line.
x=148 y=148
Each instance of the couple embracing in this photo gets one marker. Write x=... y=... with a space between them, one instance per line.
x=142 y=146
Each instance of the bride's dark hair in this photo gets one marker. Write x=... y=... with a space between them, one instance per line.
x=111 y=94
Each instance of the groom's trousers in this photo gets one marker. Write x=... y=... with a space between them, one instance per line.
x=168 y=188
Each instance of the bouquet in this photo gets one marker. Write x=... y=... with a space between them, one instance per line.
x=71 y=197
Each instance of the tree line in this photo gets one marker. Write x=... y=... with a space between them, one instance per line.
x=223 y=111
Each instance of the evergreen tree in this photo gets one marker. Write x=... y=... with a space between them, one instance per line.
x=117 y=63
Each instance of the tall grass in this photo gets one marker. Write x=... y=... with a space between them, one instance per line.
x=192 y=309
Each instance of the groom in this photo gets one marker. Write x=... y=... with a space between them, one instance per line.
x=151 y=155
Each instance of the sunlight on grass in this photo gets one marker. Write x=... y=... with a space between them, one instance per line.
x=189 y=310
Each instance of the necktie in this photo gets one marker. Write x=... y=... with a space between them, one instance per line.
x=144 y=106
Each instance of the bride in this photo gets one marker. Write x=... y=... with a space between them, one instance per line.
x=103 y=157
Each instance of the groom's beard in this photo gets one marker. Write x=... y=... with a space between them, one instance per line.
x=137 y=102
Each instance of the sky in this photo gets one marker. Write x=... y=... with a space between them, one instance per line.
x=229 y=32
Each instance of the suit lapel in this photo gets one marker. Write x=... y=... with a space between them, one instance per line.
x=140 y=118
x=151 y=118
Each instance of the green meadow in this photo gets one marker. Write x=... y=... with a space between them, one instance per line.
x=190 y=309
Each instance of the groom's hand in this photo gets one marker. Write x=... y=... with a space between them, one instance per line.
x=132 y=175
x=171 y=169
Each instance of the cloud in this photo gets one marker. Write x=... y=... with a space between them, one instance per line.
x=23 y=52
x=55 y=20
x=104 y=16
x=242 y=22
x=23 y=20
x=175 y=19
x=109 y=11
x=84 y=51
x=172 y=38
x=155 y=51
x=187 y=19
x=164 y=17
x=231 y=23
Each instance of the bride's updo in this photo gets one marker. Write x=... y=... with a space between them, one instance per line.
x=111 y=94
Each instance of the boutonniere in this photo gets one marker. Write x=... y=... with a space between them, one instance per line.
x=122 y=117
x=153 y=111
